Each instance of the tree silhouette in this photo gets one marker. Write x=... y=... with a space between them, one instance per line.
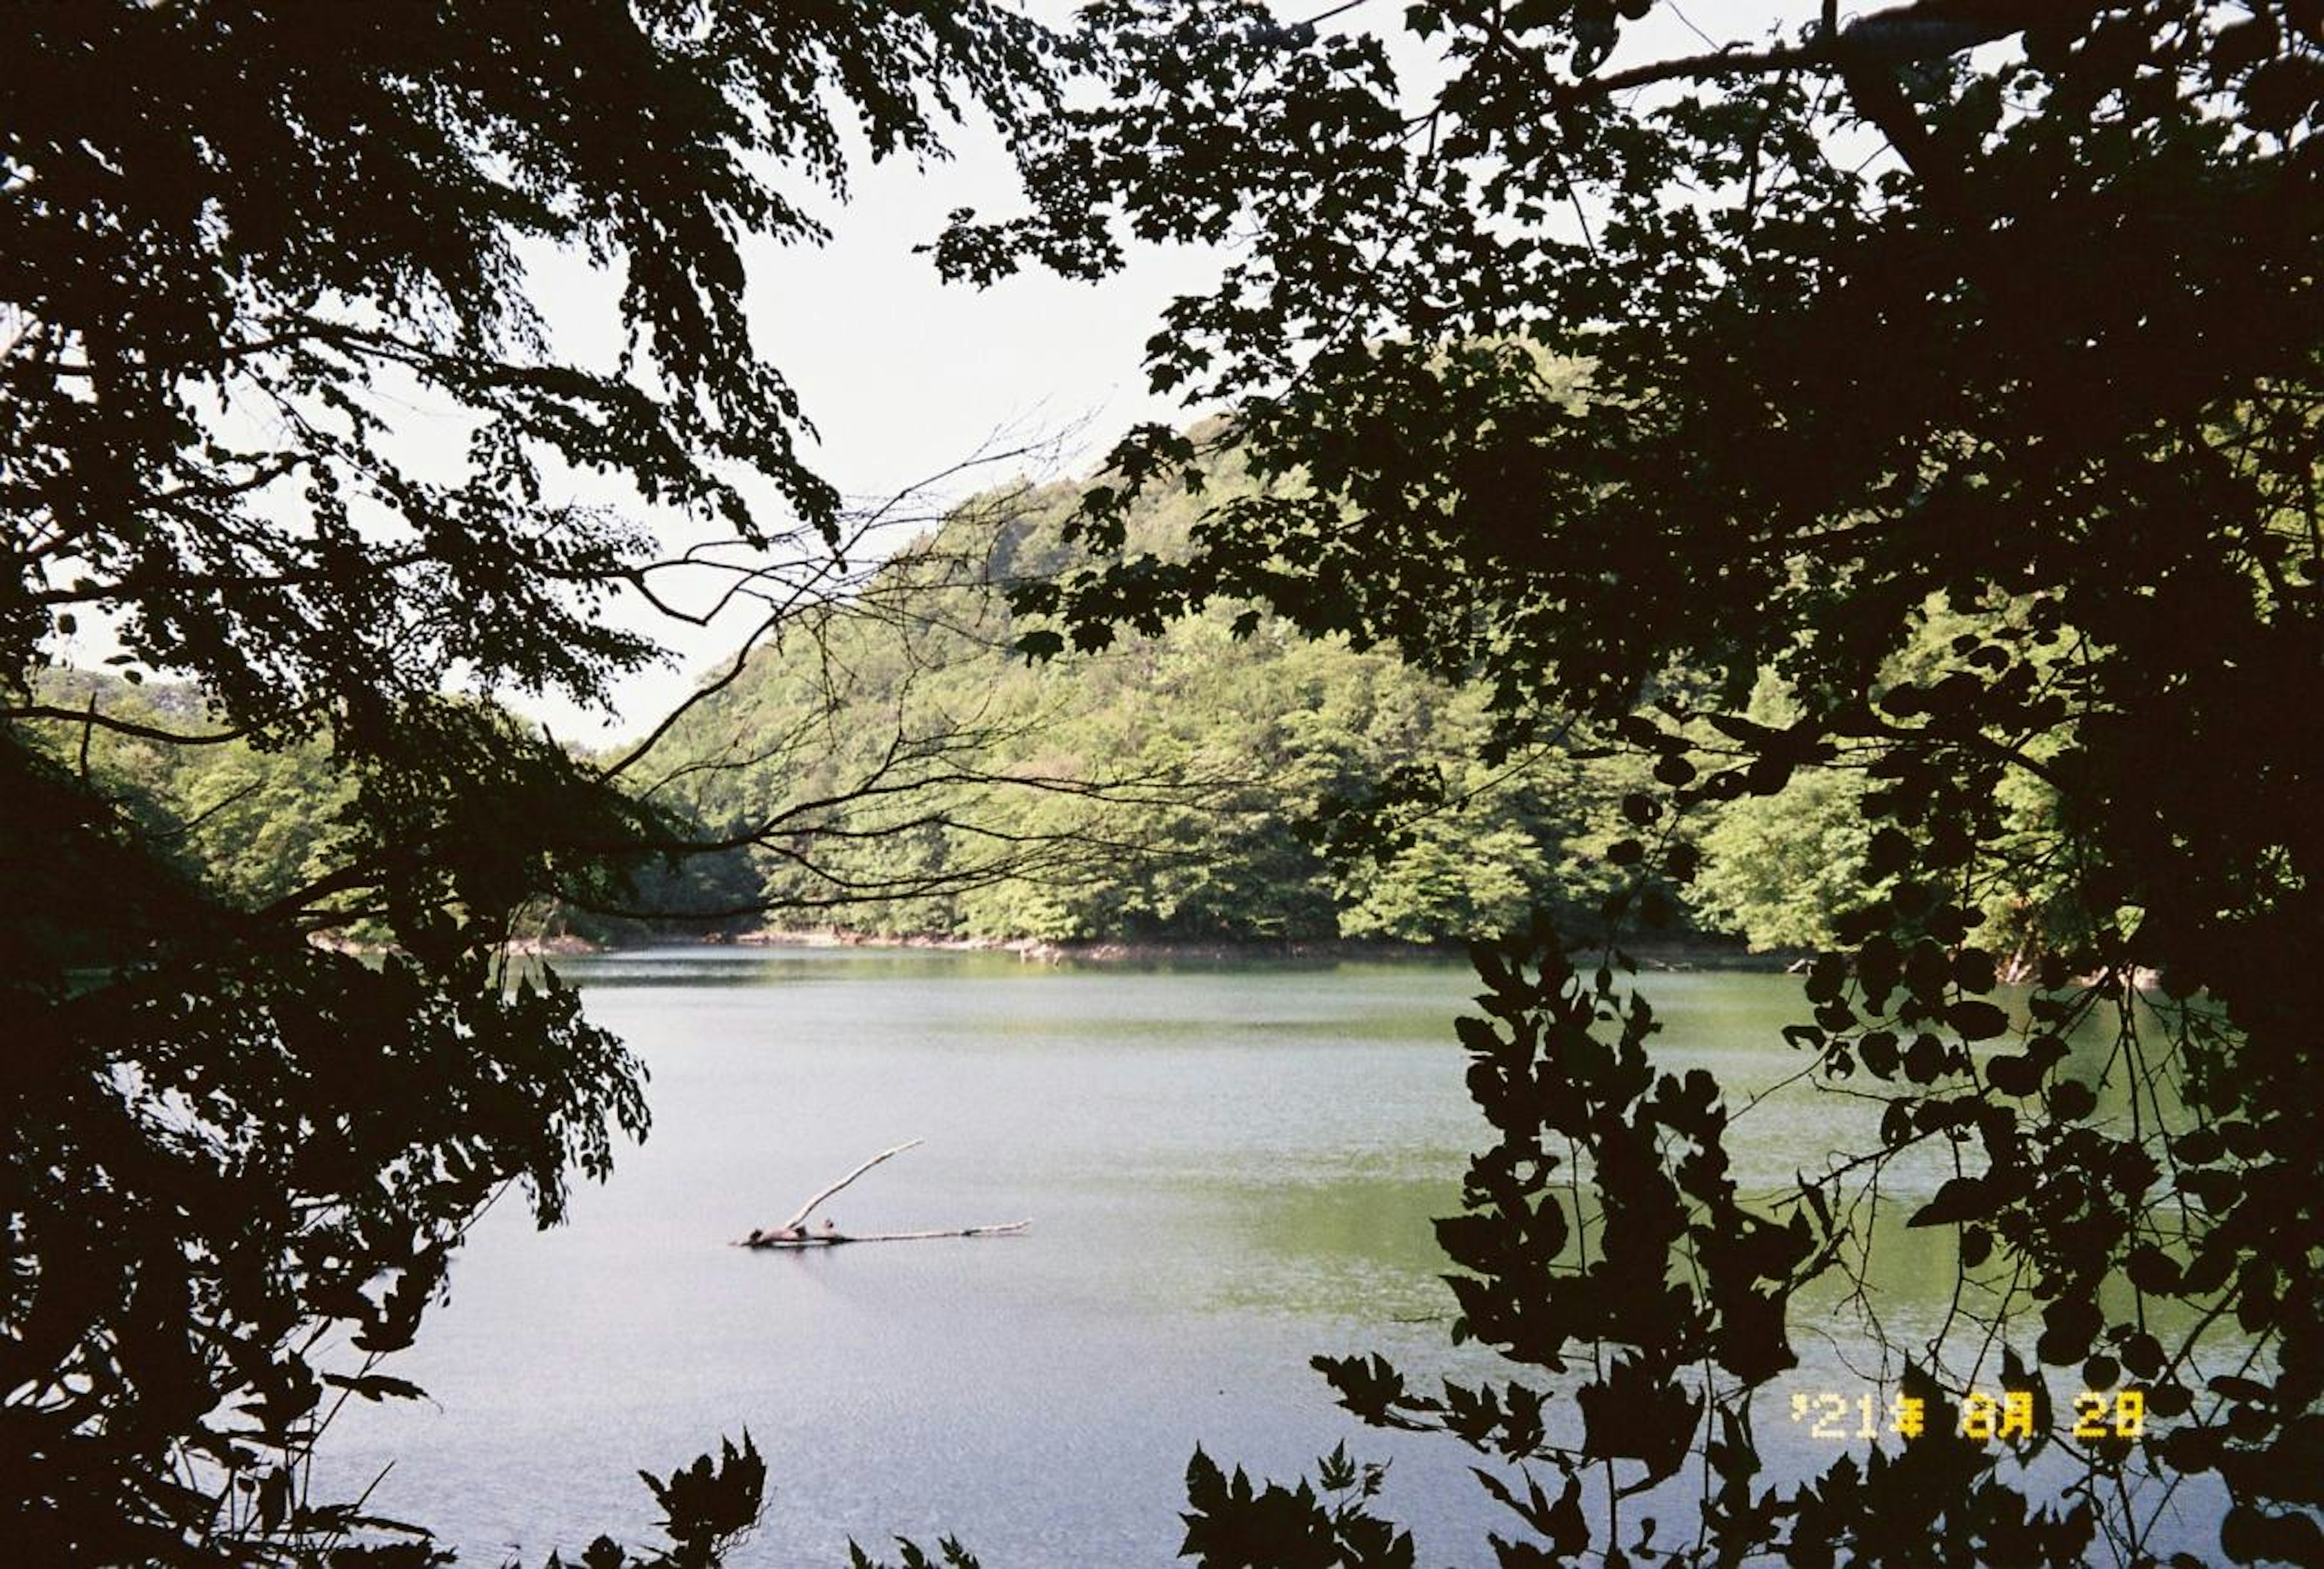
x=246 y=243
x=1575 y=369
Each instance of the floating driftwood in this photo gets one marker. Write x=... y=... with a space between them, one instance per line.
x=793 y=1233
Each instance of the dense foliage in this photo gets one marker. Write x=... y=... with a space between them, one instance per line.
x=1207 y=782
x=277 y=420
x=1571 y=367
x=1223 y=780
x=1677 y=401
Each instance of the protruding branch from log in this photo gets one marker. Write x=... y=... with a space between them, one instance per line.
x=835 y=1238
x=807 y=1209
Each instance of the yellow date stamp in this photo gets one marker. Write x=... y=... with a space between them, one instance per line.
x=2003 y=1417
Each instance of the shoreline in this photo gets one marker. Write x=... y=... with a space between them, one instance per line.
x=1662 y=956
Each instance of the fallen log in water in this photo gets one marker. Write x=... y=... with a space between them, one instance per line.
x=794 y=1234
x=833 y=1239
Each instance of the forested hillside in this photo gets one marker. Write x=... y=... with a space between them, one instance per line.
x=1220 y=780
x=1224 y=780
x=1223 y=777
x=250 y=823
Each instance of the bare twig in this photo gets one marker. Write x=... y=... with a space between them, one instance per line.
x=807 y=1209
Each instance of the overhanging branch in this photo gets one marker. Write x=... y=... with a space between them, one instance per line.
x=1899 y=35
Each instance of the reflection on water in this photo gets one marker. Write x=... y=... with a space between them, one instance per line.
x=1229 y=1170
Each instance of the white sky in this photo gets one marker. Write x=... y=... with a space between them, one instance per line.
x=904 y=376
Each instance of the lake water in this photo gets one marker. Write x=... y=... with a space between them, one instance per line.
x=1228 y=1170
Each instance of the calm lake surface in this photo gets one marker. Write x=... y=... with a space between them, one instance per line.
x=1228 y=1169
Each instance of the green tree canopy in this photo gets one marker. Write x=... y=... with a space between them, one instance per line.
x=1223 y=780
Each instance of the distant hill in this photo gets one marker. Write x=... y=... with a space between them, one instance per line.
x=898 y=768
x=1223 y=778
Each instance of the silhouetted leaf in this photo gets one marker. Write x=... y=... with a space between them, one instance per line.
x=1958 y=1199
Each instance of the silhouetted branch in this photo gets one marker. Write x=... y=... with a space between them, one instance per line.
x=1899 y=35
x=77 y=716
